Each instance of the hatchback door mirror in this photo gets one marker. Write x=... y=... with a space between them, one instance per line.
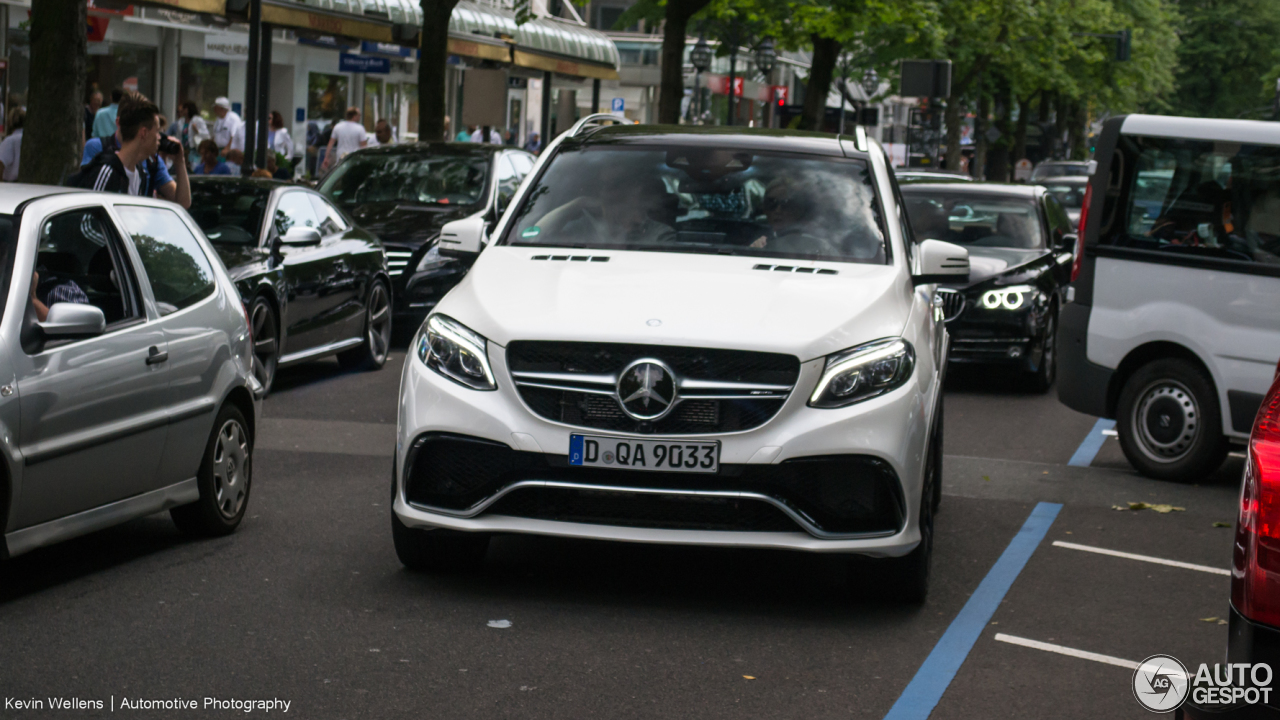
x=73 y=319
x=939 y=261
x=301 y=236
x=463 y=239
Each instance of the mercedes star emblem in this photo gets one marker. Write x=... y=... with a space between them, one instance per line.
x=647 y=389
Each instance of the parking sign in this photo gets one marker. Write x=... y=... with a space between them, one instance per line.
x=617 y=105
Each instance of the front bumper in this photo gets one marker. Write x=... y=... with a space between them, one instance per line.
x=980 y=335
x=840 y=480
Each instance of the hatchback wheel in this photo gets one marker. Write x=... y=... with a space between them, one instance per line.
x=372 y=353
x=266 y=342
x=437 y=550
x=1169 y=422
x=224 y=479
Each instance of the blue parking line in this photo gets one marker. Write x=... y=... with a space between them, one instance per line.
x=939 y=669
x=1092 y=443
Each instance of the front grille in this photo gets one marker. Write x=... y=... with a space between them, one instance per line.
x=836 y=493
x=755 y=385
x=398 y=261
x=952 y=303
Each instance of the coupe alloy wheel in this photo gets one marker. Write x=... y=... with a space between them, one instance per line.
x=266 y=342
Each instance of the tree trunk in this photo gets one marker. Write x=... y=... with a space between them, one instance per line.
x=1061 y=110
x=980 y=142
x=1079 y=141
x=954 y=119
x=1020 y=134
x=1000 y=148
x=433 y=70
x=825 y=53
x=674 y=31
x=51 y=141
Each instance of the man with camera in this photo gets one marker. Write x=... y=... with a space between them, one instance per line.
x=134 y=167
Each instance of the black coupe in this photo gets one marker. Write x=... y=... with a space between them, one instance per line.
x=1020 y=245
x=313 y=283
x=406 y=193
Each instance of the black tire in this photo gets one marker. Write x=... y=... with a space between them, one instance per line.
x=905 y=579
x=1041 y=379
x=437 y=550
x=265 y=325
x=1169 y=422
x=372 y=353
x=225 y=479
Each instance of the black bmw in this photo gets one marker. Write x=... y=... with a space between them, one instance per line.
x=1020 y=243
x=406 y=193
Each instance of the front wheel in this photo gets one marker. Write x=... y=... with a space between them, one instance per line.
x=265 y=326
x=372 y=353
x=1169 y=422
x=437 y=550
x=224 y=478
x=1042 y=378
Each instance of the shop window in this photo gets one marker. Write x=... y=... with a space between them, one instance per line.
x=202 y=82
x=411 y=108
x=326 y=96
x=127 y=67
x=371 y=113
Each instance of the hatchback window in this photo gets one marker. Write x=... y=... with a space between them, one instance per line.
x=79 y=260
x=175 y=263
x=1205 y=199
x=705 y=200
x=976 y=220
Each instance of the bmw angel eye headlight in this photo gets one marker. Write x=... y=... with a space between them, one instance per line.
x=456 y=352
x=864 y=372
x=1007 y=298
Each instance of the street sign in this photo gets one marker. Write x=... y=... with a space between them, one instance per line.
x=363 y=64
x=617 y=105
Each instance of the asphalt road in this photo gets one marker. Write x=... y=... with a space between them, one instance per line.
x=307 y=602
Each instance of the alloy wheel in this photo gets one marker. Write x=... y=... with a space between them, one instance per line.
x=266 y=345
x=379 y=322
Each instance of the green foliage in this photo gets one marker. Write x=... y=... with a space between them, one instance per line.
x=1229 y=58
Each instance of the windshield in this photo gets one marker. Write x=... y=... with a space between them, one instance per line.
x=427 y=179
x=975 y=220
x=1071 y=195
x=704 y=200
x=1060 y=170
x=230 y=213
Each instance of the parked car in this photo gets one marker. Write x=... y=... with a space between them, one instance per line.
x=907 y=176
x=406 y=193
x=695 y=336
x=1069 y=191
x=1172 y=326
x=1062 y=168
x=1020 y=243
x=314 y=283
x=127 y=379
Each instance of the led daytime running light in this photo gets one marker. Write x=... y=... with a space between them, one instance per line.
x=864 y=372
x=1009 y=298
x=457 y=352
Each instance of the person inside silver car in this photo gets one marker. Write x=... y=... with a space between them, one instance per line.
x=67 y=291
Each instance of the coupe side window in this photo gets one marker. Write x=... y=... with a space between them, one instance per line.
x=294 y=210
x=176 y=266
x=331 y=221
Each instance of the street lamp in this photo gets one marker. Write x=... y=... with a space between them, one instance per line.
x=870 y=83
x=766 y=57
x=700 y=58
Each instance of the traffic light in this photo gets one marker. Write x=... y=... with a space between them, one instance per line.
x=1124 y=45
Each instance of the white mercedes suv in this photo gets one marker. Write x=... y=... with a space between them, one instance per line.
x=697 y=336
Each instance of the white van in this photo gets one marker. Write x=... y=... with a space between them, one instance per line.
x=1172 y=325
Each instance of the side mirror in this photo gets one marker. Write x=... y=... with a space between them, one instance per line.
x=463 y=239
x=73 y=319
x=301 y=236
x=1068 y=242
x=504 y=199
x=939 y=261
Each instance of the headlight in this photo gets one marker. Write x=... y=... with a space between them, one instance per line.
x=431 y=260
x=456 y=352
x=1009 y=298
x=864 y=372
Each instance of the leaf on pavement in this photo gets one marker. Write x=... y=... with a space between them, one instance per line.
x=749 y=677
x=1222 y=524
x=1160 y=508
x=986 y=478
x=1209 y=619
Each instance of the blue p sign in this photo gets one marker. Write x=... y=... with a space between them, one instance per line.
x=618 y=105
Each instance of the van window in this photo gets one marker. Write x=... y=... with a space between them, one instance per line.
x=1200 y=198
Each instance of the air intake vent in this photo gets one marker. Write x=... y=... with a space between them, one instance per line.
x=573 y=258
x=793 y=269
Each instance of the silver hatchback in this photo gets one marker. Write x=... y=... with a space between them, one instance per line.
x=126 y=383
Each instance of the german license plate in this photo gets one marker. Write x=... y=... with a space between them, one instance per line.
x=634 y=454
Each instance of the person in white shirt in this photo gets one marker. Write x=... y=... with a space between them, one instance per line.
x=382 y=134
x=11 y=148
x=192 y=129
x=278 y=139
x=487 y=134
x=226 y=125
x=347 y=137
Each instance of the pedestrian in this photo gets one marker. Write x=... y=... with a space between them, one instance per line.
x=104 y=121
x=464 y=134
x=382 y=134
x=448 y=124
x=226 y=124
x=91 y=109
x=487 y=134
x=277 y=172
x=161 y=179
x=348 y=136
x=235 y=159
x=194 y=130
x=131 y=169
x=11 y=148
x=533 y=145
x=278 y=139
x=209 y=163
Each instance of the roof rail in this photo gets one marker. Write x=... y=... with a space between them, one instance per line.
x=596 y=120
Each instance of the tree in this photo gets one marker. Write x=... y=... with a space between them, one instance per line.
x=433 y=68
x=51 y=140
x=675 y=16
x=1227 y=59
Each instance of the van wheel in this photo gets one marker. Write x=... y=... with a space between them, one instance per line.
x=437 y=550
x=224 y=479
x=372 y=353
x=1042 y=379
x=1169 y=422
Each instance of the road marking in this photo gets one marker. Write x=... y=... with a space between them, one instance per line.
x=1143 y=558
x=939 y=669
x=1092 y=443
x=1061 y=650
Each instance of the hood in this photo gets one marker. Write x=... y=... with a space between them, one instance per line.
x=987 y=262
x=240 y=259
x=713 y=301
x=403 y=223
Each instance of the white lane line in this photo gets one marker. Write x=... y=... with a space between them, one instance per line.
x=1061 y=650
x=1143 y=558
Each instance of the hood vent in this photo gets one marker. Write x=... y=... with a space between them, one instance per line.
x=573 y=258
x=793 y=269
